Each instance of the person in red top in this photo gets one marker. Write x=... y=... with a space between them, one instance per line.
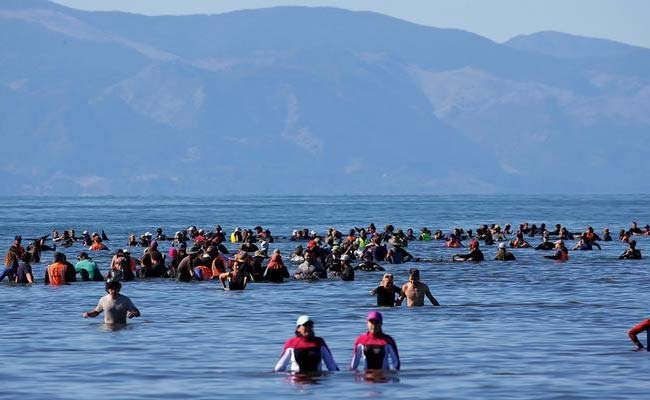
x=632 y=333
x=375 y=349
x=306 y=351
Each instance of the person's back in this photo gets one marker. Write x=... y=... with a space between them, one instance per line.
x=308 y=270
x=414 y=293
x=504 y=255
x=55 y=274
x=631 y=254
x=91 y=268
x=24 y=273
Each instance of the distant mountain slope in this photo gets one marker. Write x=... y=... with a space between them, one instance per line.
x=304 y=100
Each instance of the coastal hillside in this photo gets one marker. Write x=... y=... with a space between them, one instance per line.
x=299 y=100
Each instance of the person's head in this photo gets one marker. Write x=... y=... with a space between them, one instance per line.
x=559 y=244
x=113 y=288
x=375 y=320
x=305 y=326
x=387 y=279
x=59 y=257
x=632 y=244
x=18 y=239
x=83 y=256
x=502 y=246
x=473 y=244
x=414 y=275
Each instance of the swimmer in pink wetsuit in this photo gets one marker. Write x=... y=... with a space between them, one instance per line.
x=375 y=349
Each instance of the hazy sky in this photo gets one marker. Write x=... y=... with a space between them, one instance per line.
x=622 y=20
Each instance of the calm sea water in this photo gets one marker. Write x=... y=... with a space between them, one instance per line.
x=527 y=329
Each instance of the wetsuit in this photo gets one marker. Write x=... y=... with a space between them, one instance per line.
x=276 y=271
x=545 y=246
x=386 y=295
x=474 y=255
x=375 y=351
x=630 y=254
x=560 y=255
x=305 y=354
x=237 y=281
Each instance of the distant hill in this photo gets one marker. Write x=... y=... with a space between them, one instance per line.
x=310 y=101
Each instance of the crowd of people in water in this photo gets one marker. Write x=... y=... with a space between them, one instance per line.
x=203 y=255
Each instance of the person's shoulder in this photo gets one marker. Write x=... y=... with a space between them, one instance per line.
x=389 y=338
x=361 y=338
x=291 y=342
x=320 y=341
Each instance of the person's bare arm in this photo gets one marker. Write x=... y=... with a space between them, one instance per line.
x=431 y=298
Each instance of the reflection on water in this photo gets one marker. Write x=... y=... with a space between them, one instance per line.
x=377 y=376
x=115 y=327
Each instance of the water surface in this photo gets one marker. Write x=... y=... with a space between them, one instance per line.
x=527 y=329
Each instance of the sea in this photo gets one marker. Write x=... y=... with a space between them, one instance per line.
x=528 y=329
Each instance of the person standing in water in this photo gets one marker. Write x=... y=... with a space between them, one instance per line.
x=116 y=307
x=414 y=291
x=386 y=291
x=305 y=352
x=374 y=349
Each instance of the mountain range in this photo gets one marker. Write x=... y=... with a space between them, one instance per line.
x=302 y=100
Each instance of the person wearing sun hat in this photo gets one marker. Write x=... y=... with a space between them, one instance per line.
x=305 y=352
x=375 y=349
x=503 y=254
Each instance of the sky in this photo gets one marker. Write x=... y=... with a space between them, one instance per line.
x=620 y=20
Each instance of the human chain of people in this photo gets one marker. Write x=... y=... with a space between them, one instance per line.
x=202 y=255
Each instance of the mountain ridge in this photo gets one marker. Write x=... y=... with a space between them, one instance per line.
x=303 y=100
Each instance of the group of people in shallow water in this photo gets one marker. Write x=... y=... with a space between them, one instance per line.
x=198 y=254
